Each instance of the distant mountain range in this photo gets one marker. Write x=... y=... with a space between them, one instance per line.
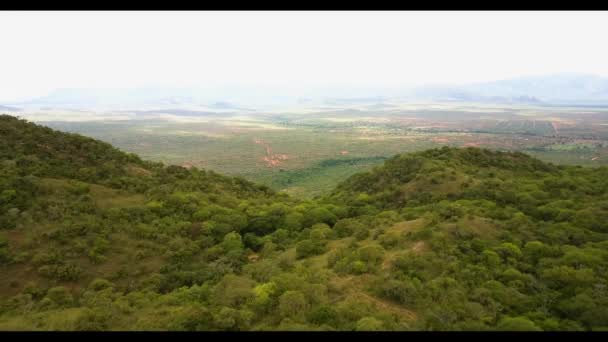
x=552 y=89
x=83 y=98
x=559 y=89
x=220 y=98
x=9 y=109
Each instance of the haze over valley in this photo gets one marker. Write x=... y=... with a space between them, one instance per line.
x=304 y=171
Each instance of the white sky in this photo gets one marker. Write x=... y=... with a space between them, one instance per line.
x=41 y=51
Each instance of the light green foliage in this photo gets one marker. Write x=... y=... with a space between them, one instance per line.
x=369 y=324
x=232 y=243
x=263 y=294
x=357 y=261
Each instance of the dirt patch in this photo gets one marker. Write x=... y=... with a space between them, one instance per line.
x=187 y=165
x=555 y=127
x=138 y=171
x=253 y=257
x=271 y=159
x=418 y=247
x=406 y=226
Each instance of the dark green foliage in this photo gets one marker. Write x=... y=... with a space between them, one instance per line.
x=306 y=248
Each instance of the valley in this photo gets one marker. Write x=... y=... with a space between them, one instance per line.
x=329 y=171
x=304 y=151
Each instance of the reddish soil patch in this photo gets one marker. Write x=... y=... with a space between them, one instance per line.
x=187 y=165
x=440 y=140
x=472 y=144
x=418 y=247
x=554 y=125
x=275 y=159
x=253 y=257
x=138 y=171
x=343 y=152
x=271 y=160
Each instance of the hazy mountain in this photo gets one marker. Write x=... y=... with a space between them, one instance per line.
x=222 y=105
x=554 y=89
x=580 y=89
x=218 y=97
x=86 y=98
x=9 y=109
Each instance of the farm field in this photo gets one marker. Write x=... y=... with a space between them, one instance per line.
x=306 y=151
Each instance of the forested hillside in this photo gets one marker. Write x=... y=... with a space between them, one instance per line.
x=92 y=238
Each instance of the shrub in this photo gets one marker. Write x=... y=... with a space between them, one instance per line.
x=306 y=248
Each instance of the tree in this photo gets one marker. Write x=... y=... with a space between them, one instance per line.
x=517 y=324
x=369 y=324
x=508 y=250
x=191 y=318
x=92 y=320
x=60 y=296
x=292 y=304
x=232 y=319
x=233 y=290
x=347 y=227
x=306 y=248
x=320 y=232
x=319 y=215
x=324 y=314
x=263 y=295
x=233 y=244
x=293 y=221
x=568 y=277
x=372 y=254
x=99 y=284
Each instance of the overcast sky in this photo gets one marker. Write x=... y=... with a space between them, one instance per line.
x=42 y=51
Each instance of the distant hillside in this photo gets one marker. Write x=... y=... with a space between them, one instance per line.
x=92 y=238
x=438 y=174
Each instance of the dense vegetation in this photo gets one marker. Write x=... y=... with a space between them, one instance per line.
x=92 y=238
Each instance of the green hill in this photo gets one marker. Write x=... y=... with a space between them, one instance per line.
x=92 y=238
